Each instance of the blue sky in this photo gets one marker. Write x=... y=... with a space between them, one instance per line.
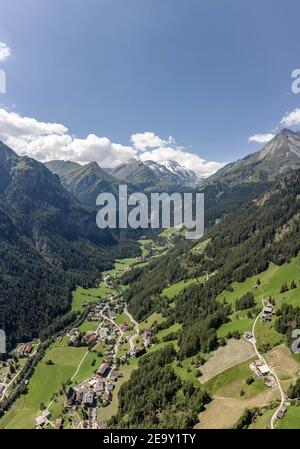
x=210 y=73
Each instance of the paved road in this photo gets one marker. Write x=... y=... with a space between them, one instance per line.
x=7 y=385
x=119 y=329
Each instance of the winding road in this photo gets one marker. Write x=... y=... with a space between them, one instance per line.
x=137 y=328
x=253 y=341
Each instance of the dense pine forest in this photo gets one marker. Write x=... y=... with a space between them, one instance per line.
x=155 y=397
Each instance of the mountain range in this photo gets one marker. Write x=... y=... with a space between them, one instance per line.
x=85 y=182
x=49 y=239
x=150 y=174
x=49 y=244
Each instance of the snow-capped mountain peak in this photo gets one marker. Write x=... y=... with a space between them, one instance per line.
x=173 y=170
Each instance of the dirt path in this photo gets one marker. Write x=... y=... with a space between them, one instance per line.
x=282 y=396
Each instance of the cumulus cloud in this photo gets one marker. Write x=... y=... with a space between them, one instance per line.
x=13 y=125
x=100 y=149
x=47 y=141
x=291 y=118
x=188 y=160
x=261 y=138
x=4 y=51
x=147 y=139
x=157 y=149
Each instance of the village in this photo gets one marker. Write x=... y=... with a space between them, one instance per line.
x=97 y=391
x=101 y=350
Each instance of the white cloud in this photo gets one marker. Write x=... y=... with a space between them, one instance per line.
x=188 y=160
x=291 y=118
x=4 y=51
x=13 y=125
x=100 y=149
x=48 y=141
x=261 y=138
x=157 y=149
x=147 y=139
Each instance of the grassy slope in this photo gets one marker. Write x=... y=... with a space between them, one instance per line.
x=233 y=380
x=46 y=380
x=177 y=288
x=271 y=282
x=291 y=419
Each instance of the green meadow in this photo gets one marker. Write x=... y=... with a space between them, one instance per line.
x=271 y=281
x=291 y=419
x=185 y=370
x=177 y=288
x=46 y=380
x=241 y=325
x=174 y=328
x=85 y=295
x=233 y=380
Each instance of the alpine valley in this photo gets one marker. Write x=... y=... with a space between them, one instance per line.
x=121 y=330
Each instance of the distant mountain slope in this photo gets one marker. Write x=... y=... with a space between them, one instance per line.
x=241 y=181
x=150 y=175
x=279 y=156
x=85 y=182
x=243 y=244
x=49 y=242
x=137 y=173
x=173 y=171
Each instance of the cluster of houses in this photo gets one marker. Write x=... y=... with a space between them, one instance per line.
x=105 y=334
x=267 y=312
x=142 y=259
x=147 y=338
x=102 y=335
x=43 y=419
x=25 y=350
x=100 y=386
x=263 y=371
x=74 y=336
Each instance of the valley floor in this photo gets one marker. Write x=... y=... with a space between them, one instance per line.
x=224 y=373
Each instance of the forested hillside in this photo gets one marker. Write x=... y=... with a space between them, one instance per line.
x=49 y=244
x=155 y=397
x=243 y=244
